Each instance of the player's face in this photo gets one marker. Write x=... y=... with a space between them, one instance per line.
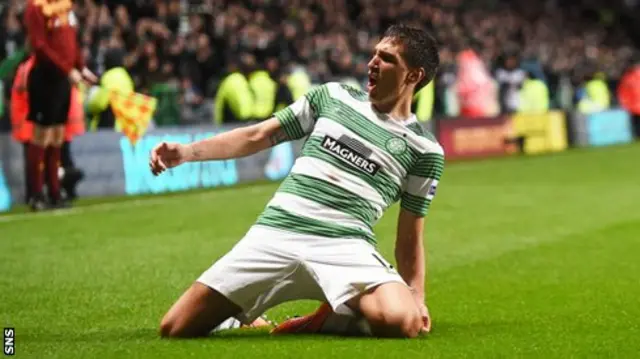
x=387 y=72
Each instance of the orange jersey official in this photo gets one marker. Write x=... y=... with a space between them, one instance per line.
x=22 y=129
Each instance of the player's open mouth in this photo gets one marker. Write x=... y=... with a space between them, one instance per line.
x=372 y=81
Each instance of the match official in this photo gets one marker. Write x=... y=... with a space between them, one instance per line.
x=51 y=29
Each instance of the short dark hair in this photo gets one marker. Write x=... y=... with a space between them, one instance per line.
x=420 y=50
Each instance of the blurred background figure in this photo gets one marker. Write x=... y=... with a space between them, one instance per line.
x=510 y=77
x=533 y=95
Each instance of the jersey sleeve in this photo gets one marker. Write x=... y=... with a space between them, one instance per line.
x=299 y=118
x=422 y=181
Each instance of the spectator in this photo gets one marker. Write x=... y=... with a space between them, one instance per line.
x=510 y=78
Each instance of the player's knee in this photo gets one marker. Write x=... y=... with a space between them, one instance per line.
x=408 y=324
x=402 y=323
x=166 y=328
x=411 y=325
x=169 y=328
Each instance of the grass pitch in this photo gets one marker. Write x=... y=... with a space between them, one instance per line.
x=527 y=257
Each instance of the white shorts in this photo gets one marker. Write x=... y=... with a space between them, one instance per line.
x=270 y=266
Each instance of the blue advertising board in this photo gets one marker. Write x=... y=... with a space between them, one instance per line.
x=139 y=180
x=609 y=127
x=113 y=166
x=5 y=194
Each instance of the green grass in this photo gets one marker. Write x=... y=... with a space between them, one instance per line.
x=528 y=257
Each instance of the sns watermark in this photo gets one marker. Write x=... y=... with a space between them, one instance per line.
x=8 y=335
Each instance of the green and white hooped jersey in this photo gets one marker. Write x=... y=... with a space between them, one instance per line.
x=355 y=163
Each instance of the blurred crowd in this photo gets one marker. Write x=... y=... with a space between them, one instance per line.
x=195 y=43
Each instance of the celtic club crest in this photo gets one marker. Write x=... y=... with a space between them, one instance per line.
x=396 y=146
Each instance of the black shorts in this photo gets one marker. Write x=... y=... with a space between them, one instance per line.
x=49 y=96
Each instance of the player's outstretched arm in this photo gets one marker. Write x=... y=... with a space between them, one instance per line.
x=410 y=258
x=239 y=142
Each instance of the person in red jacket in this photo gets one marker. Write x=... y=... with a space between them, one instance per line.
x=51 y=29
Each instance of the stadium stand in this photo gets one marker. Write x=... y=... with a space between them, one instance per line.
x=181 y=50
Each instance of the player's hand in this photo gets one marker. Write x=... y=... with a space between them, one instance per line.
x=88 y=76
x=166 y=155
x=424 y=313
x=426 y=318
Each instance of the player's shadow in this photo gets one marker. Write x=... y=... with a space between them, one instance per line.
x=441 y=330
x=152 y=334
x=261 y=335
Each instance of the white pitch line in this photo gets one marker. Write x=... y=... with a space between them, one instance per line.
x=81 y=209
x=97 y=207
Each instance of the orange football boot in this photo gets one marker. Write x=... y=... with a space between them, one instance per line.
x=308 y=324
